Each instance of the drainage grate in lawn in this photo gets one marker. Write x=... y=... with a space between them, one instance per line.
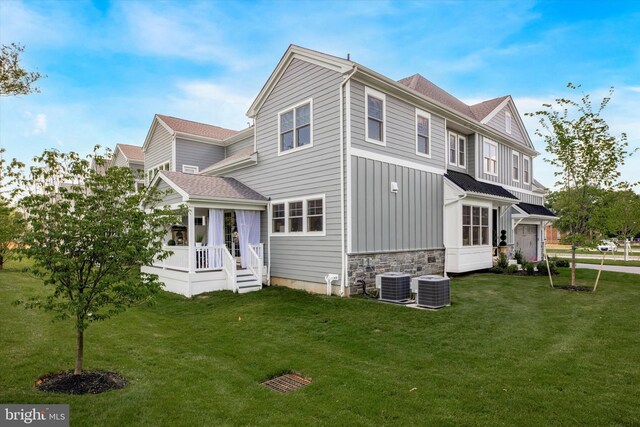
x=287 y=383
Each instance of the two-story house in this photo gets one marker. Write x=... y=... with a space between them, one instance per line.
x=345 y=173
x=131 y=156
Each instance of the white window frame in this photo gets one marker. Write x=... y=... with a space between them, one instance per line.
x=376 y=94
x=165 y=166
x=472 y=225
x=528 y=180
x=458 y=137
x=423 y=114
x=515 y=154
x=305 y=217
x=484 y=157
x=507 y=122
x=304 y=147
x=194 y=169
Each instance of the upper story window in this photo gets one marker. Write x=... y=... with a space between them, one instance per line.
x=305 y=215
x=526 y=170
x=490 y=157
x=515 y=167
x=507 y=122
x=151 y=173
x=295 y=127
x=375 y=112
x=457 y=149
x=423 y=133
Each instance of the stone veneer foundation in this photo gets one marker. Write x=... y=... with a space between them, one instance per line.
x=416 y=263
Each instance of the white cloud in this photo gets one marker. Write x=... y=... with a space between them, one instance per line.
x=40 y=124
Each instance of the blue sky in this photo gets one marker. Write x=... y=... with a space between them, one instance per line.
x=112 y=65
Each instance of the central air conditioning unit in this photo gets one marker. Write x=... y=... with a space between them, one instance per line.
x=394 y=287
x=433 y=291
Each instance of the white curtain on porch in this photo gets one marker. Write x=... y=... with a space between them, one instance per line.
x=216 y=236
x=248 y=223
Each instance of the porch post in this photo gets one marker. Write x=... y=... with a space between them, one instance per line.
x=191 y=233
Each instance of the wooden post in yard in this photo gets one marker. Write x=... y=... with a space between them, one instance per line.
x=599 y=271
x=546 y=257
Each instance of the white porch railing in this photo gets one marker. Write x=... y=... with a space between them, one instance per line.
x=229 y=267
x=256 y=261
x=206 y=258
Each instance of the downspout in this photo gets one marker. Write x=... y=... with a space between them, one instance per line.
x=269 y=242
x=343 y=279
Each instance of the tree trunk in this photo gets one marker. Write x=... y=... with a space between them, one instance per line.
x=79 y=352
x=1 y=261
x=573 y=265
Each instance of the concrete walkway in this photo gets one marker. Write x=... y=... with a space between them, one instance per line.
x=615 y=268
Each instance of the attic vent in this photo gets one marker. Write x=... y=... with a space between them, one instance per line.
x=287 y=383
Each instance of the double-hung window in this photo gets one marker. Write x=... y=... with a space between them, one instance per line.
x=295 y=127
x=490 y=157
x=300 y=216
x=526 y=170
x=475 y=225
x=515 y=169
x=457 y=149
x=423 y=133
x=375 y=114
x=151 y=173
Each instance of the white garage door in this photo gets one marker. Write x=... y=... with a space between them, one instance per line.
x=526 y=239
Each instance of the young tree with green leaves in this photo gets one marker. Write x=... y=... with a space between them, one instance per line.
x=11 y=228
x=587 y=158
x=88 y=237
x=15 y=80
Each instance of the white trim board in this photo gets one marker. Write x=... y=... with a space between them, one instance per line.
x=359 y=152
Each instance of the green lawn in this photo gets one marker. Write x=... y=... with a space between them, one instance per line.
x=509 y=351
x=633 y=252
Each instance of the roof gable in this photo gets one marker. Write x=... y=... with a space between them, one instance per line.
x=507 y=104
x=328 y=61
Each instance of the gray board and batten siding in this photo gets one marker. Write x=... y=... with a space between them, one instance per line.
x=198 y=154
x=504 y=166
x=239 y=145
x=382 y=221
x=306 y=172
x=400 y=130
x=159 y=149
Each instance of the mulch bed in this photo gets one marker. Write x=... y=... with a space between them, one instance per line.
x=574 y=288
x=88 y=382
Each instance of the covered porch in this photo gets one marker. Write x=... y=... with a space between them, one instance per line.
x=217 y=246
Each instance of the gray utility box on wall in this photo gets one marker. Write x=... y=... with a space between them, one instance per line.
x=394 y=287
x=434 y=291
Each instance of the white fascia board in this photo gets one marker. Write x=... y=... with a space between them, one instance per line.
x=243 y=134
x=293 y=52
x=496 y=110
x=204 y=201
x=359 y=152
x=244 y=162
x=174 y=186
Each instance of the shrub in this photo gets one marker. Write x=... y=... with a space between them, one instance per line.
x=503 y=238
x=497 y=269
x=519 y=257
x=503 y=262
x=562 y=263
x=542 y=267
x=171 y=242
x=512 y=269
x=529 y=267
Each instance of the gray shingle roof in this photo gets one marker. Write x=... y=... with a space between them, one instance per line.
x=242 y=154
x=427 y=88
x=468 y=183
x=195 y=128
x=212 y=187
x=132 y=152
x=536 y=209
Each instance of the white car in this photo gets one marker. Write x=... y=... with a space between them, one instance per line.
x=607 y=246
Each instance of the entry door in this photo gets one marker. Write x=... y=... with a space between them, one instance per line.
x=231 y=234
x=526 y=239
